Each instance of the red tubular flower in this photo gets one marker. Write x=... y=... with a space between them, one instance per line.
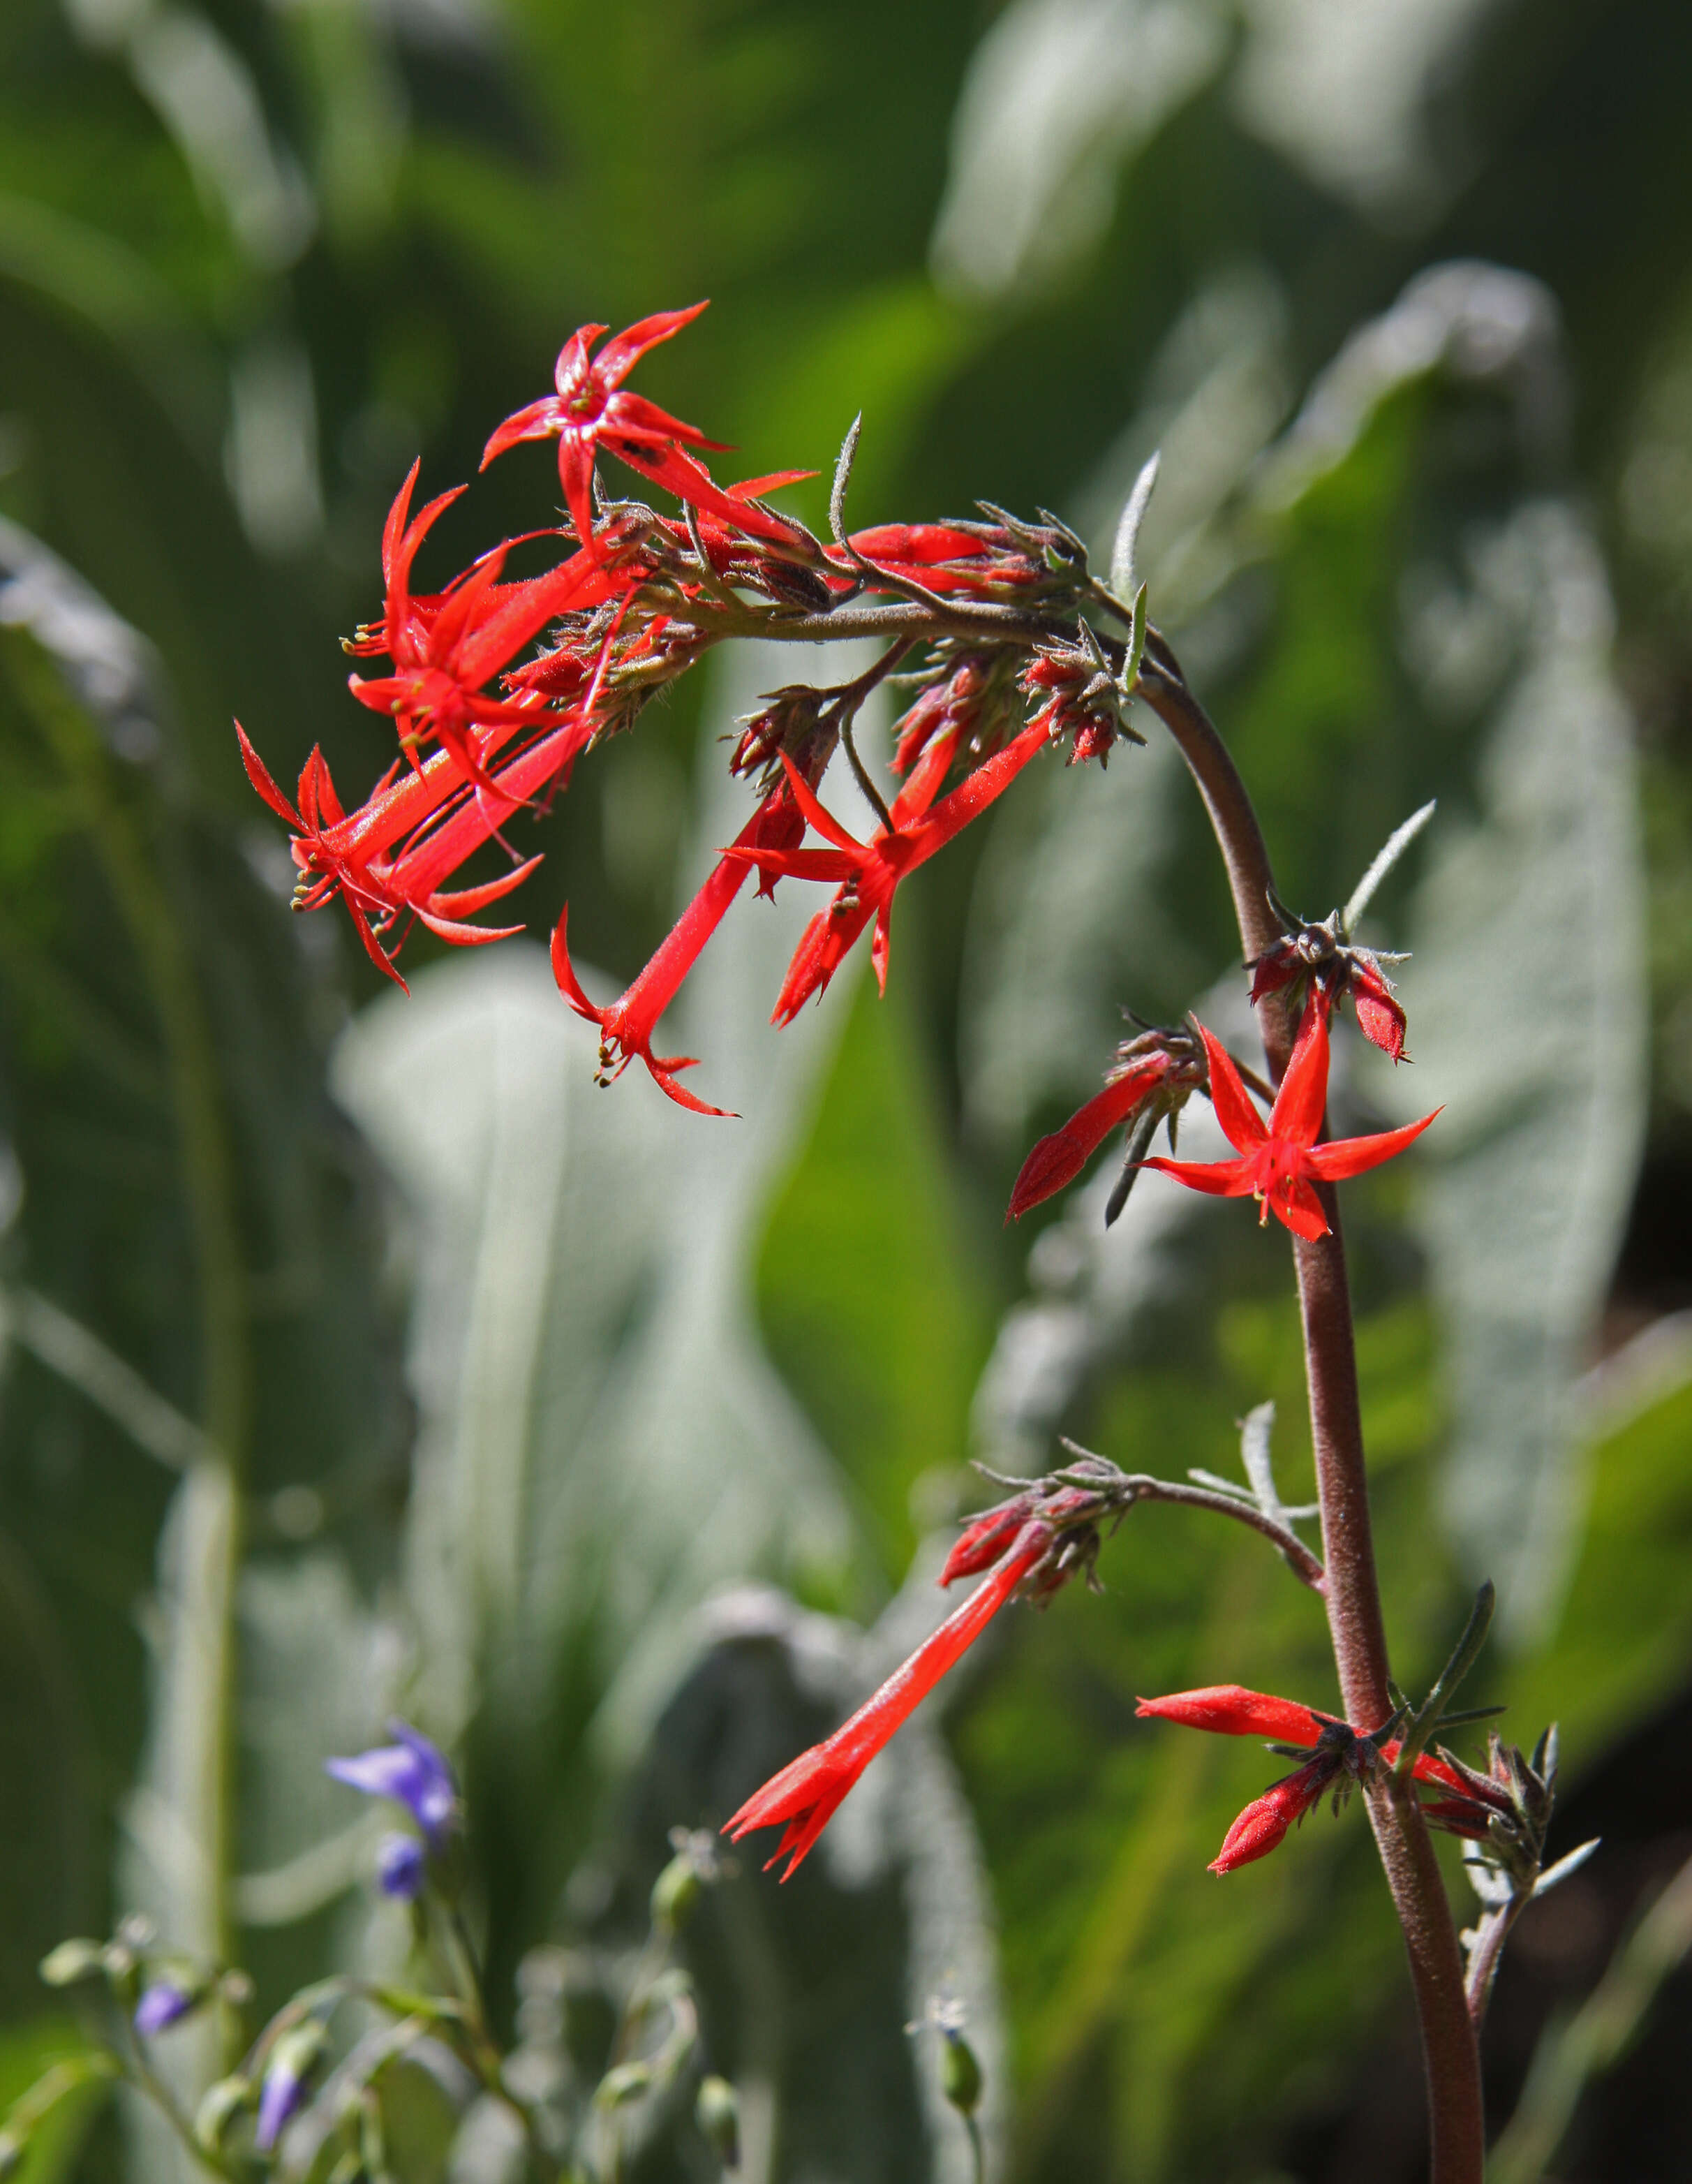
x=389 y=859
x=626 y=1027
x=1231 y=1710
x=805 y=1795
x=590 y=404
x=867 y=873
x=944 y=557
x=446 y=647
x=1048 y=1532
x=1280 y=1164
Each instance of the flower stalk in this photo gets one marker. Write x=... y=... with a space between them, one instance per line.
x=1352 y=1596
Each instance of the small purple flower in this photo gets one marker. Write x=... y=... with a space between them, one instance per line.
x=276 y=2103
x=162 y=2004
x=413 y=1773
x=400 y=1862
x=292 y=2062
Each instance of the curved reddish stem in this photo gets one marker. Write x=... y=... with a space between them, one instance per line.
x=1451 y=2053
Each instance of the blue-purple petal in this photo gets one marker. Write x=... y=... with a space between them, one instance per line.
x=400 y=1865
x=279 y=2097
x=161 y=2005
x=412 y=1772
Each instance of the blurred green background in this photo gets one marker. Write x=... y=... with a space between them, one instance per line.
x=360 y=1355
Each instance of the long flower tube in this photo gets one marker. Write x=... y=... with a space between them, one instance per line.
x=627 y=1025
x=1057 y=1159
x=868 y=874
x=388 y=860
x=805 y=1795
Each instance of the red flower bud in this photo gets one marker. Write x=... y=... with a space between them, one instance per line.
x=1057 y=1160
x=1232 y=1710
x=1263 y=1823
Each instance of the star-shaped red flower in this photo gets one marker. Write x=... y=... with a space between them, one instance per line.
x=1280 y=1162
x=591 y=409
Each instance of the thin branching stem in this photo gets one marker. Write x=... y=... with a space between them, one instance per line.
x=1492 y=1931
x=1139 y=1486
x=861 y=773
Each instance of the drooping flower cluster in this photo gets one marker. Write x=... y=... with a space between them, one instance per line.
x=1032 y=1544
x=1318 y=961
x=496 y=686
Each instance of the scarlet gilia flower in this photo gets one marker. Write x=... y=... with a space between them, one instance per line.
x=1034 y=1543
x=1083 y=698
x=388 y=860
x=1340 y=1756
x=1154 y=1077
x=1280 y=1164
x=807 y=1793
x=628 y=1026
x=445 y=649
x=866 y=874
x=591 y=409
x=1334 y=968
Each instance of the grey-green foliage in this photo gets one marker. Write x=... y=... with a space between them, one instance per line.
x=1531 y=1014
x=1529 y=986
x=602 y=1439
x=806 y=1988
x=171 y=1861
x=1079 y=904
x=318 y=1669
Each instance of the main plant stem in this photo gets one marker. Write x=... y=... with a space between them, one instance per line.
x=1450 y=2053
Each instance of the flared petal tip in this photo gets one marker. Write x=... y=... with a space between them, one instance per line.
x=536 y=420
